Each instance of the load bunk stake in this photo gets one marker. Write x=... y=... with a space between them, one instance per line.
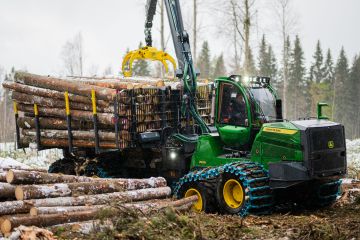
x=37 y=127
x=68 y=121
x=95 y=119
x=18 y=144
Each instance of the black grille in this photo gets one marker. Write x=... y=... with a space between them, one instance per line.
x=327 y=155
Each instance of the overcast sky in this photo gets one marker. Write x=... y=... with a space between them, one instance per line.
x=32 y=32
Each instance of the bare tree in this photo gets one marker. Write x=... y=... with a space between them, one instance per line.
x=287 y=24
x=195 y=28
x=73 y=56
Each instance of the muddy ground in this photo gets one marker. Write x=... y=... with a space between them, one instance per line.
x=336 y=222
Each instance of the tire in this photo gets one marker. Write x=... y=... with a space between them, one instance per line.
x=64 y=166
x=206 y=191
x=224 y=207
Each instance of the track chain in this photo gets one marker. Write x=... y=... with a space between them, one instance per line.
x=255 y=179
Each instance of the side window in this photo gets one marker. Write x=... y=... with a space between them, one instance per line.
x=232 y=106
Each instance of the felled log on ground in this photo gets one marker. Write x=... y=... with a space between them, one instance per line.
x=31 y=233
x=63 y=134
x=11 y=207
x=7 y=191
x=52 y=103
x=2 y=176
x=7 y=168
x=103 y=118
x=50 y=93
x=155 y=204
x=58 y=84
x=85 y=227
x=24 y=192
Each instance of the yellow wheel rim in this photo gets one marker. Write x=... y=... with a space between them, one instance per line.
x=233 y=193
x=198 y=206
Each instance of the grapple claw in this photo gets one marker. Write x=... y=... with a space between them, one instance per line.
x=146 y=53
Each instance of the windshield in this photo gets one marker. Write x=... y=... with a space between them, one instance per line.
x=266 y=101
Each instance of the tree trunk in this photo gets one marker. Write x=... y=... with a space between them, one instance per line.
x=103 y=118
x=50 y=93
x=2 y=176
x=64 y=85
x=7 y=191
x=55 y=103
x=86 y=188
x=63 y=134
x=11 y=207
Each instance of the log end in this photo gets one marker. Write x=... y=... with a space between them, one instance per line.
x=33 y=211
x=10 y=176
x=6 y=226
x=19 y=193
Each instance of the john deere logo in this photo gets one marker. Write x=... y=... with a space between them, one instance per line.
x=331 y=144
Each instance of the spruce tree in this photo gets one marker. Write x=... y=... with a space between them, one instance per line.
x=297 y=84
x=251 y=68
x=141 y=67
x=317 y=69
x=203 y=60
x=219 y=68
x=328 y=68
x=263 y=58
x=352 y=99
x=340 y=78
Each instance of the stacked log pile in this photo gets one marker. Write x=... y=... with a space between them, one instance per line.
x=36 y=198
x=135 y=104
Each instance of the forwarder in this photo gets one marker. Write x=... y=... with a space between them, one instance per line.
x=251 y=158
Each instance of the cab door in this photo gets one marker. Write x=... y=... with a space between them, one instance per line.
x=232 y=115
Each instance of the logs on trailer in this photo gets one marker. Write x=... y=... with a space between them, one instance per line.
x=47 y=93
x=63 y=134
x=59 y=84
x=11 y=207
x=56 y=124
x=77 y=189
x=55 y=103
x=103 y=118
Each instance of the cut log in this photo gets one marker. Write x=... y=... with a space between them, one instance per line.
x=120 y=83
x=33 y=177
x=57 y=124
x=64 y=85
x=7 y=168
x=52 y=103
x=7 y=191
x=85 y=227
x=103 y=118
x=2 y=176
x=86 y=188
x=45 y=220
x=50 y=93
x=11 y=207
x=155 y=204
x=63 y=134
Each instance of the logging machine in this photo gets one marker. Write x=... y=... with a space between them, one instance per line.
x=247 y=158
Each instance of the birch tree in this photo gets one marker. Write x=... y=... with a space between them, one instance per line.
x=72 y=55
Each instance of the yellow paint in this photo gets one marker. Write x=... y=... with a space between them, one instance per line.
x=93 y=100
x=202 y=162
x=36 y=110
x=149 y=53
x=67 y=103
x=198 y=206
x=15 y=108
x=331 y=144
x=233 y=193
x=280 y=130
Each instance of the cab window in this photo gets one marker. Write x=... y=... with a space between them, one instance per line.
x=232 y=106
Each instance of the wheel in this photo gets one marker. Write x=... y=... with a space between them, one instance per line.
x=230 y=195
x=205 y=193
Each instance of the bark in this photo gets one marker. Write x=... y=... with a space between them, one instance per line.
x=11 y=207
x=63 y=134
x=33 y=177
x=121 y=83
x=86 y=188
x=103 y=118
x=155 y=204
x=7 y=191
x=62 y=85
x=7 y=168
x=63 y=143
x=2 y=176
x=50 y=93
x=52 y=103
x=54 y=123
x=85 y=227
